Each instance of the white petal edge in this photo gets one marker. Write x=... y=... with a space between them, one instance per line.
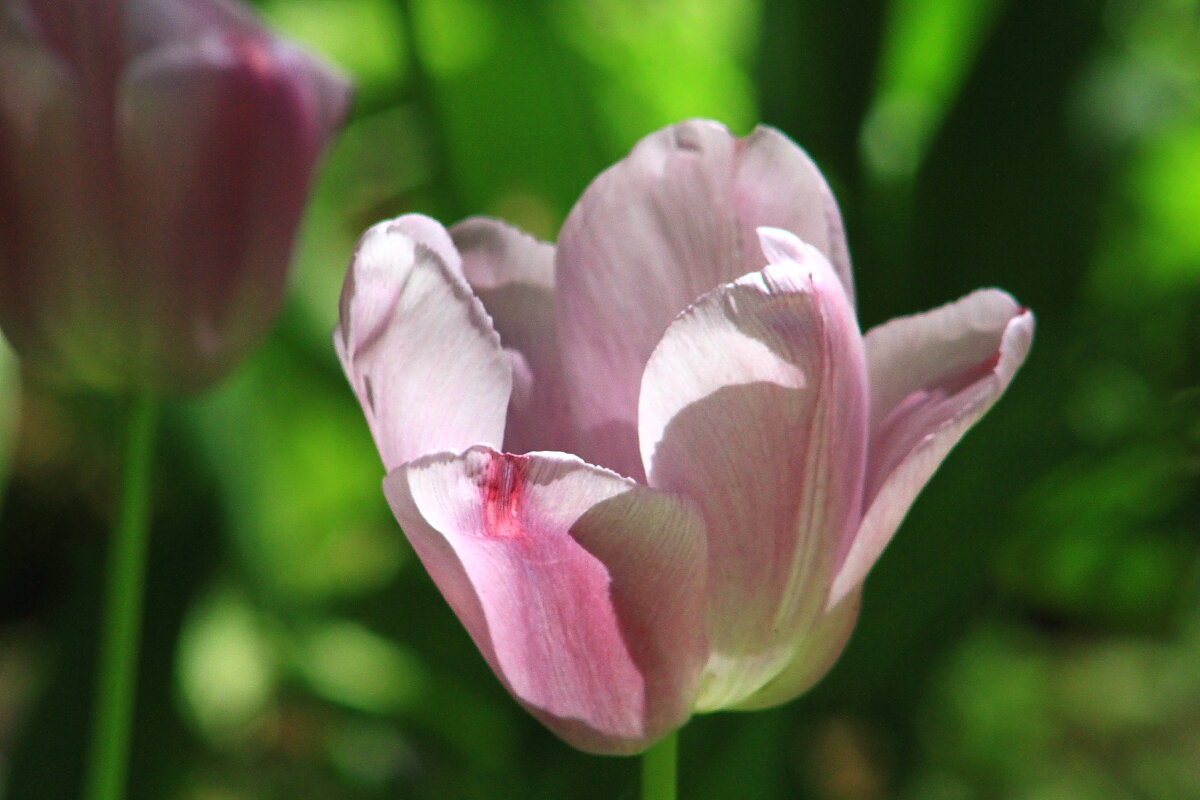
x=418 y=347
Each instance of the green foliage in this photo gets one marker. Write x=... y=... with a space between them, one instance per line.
x=10 y=393
x=1033 y=631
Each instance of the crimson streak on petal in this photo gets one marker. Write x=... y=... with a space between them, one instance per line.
x=503 y=487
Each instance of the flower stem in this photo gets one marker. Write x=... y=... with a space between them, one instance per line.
x=658 y=770
x=121 y=632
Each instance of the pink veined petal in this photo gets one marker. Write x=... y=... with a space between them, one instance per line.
x=933 y=376
x=583 y=590
x=513 y=274
x=817 y=650
x=670 y=222
x=419 y=348
x=754 y=404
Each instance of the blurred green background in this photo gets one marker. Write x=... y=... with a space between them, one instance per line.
x=1032 y=633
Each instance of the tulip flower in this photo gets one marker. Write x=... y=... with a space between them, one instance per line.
x=155 y=158
x=650 y=468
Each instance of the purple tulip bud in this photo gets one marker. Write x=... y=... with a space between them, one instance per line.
x=745 y=452
x=155 y=159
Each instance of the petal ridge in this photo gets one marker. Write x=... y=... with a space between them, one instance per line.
x=770 y=442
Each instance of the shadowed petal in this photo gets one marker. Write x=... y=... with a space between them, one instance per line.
x=933 y=376
x=513 y=274
x=817 y=649
x=583 y=590
x=754 y=404
x=418 y=347
x=670 y=222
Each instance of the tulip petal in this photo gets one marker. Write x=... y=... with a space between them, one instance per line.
x=817 y=649
x=513 y=274
x=154 y=23
x=418 y=347
x=754 y=404
x=218 y=138
x=933 y=376
x=583 y=590
x=57 y=194
x=90 y=38
x=777 y=185
x=675 y=219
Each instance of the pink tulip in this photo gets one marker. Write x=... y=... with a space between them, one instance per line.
x=745 y=453
x=155 y=158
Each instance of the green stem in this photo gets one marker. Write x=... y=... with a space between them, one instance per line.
x=423 y=89
x=117 y=679
x=658 y=770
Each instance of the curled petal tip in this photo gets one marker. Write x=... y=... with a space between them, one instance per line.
x=784 y=247
x=794 y=265
x=781 y=245
x=418 y=346
x=381 y=261
x=933 y=376
x=429 y=232
x=380 y=266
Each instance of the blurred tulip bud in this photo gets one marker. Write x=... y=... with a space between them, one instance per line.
x=155 y=159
